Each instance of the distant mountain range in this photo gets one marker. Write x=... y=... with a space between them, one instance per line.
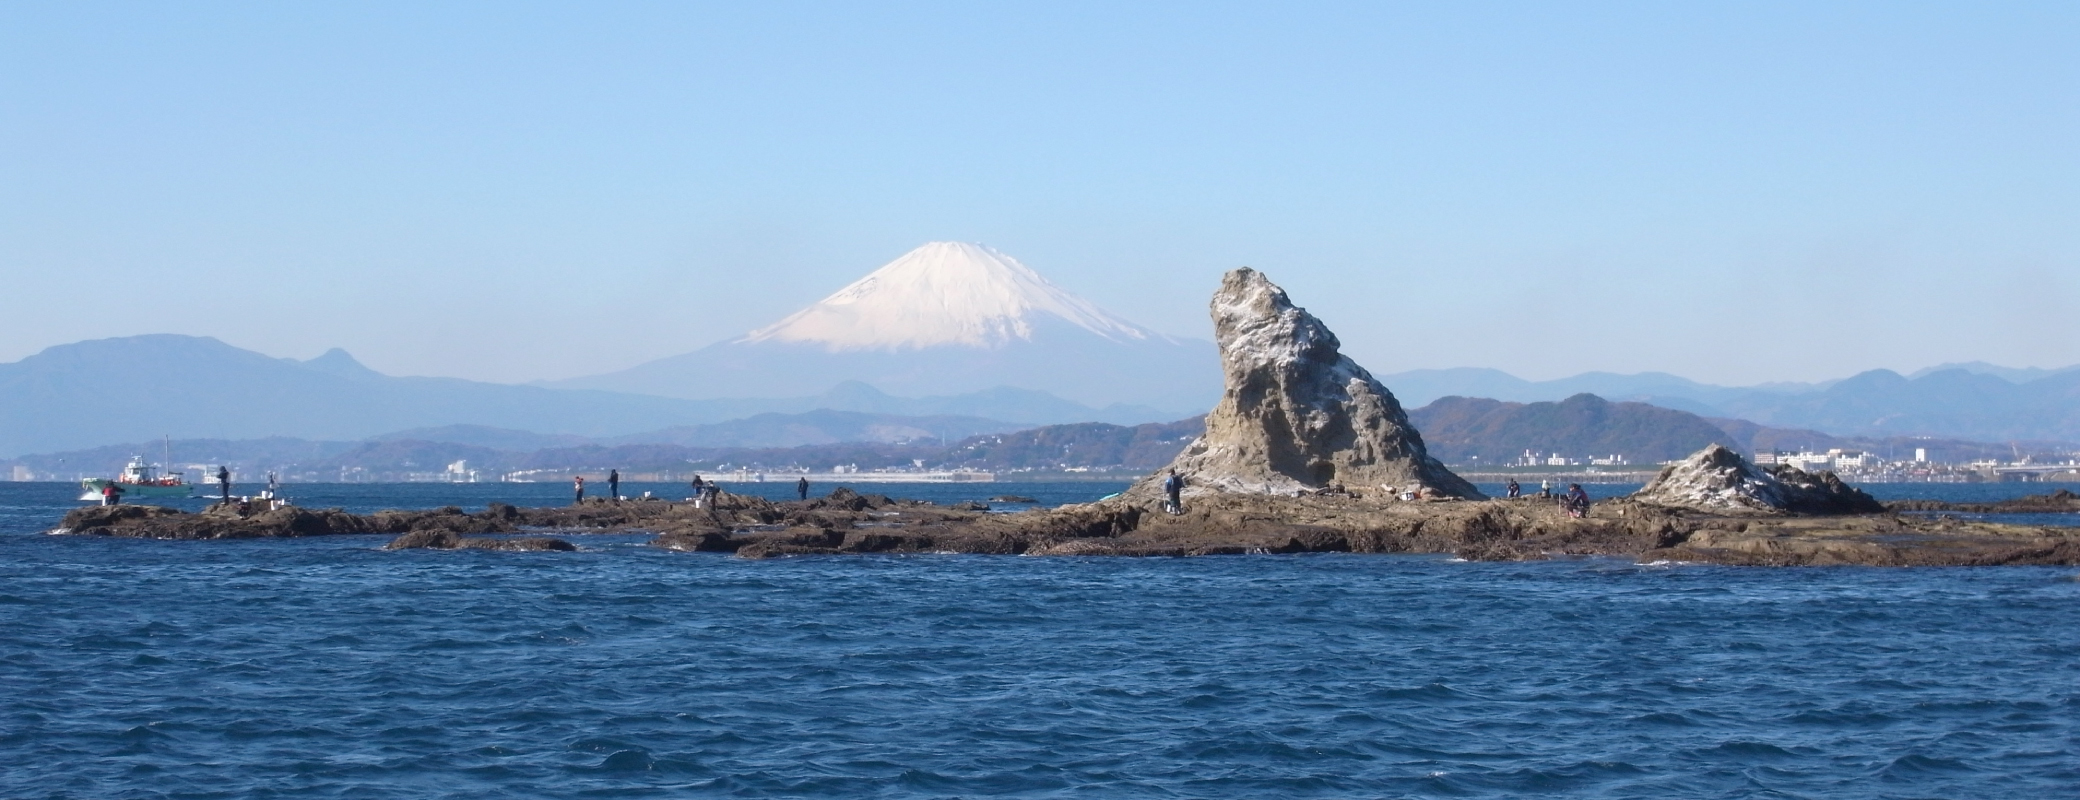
x=424 y=450
x=1961 y=401
x=1473 y=432
x=968 y=339
x=1470 y=433
x=1138 y=448
x=1482 y=432
x=945 y=318
x=1457 y=429
x=822 y=426
x=142 y=387
x=138 y=388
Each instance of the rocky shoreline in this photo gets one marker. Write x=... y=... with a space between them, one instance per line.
x=850 y=523
x=1305 y=453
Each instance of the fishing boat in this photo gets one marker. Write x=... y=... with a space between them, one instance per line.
x=139 y=480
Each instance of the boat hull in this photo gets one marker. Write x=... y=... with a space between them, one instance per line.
x=134 y=491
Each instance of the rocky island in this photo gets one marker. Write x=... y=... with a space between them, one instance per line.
x=1306 y=452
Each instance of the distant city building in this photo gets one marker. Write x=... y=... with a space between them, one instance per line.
x=22 y=474
x=1807 y=460
x=1851 y=459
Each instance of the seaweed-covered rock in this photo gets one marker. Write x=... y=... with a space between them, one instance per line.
x=98 y=519
x=844 y=498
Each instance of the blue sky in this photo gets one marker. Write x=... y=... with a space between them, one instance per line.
x=1731 y=192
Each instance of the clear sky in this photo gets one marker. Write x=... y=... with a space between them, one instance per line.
x=1736 y=192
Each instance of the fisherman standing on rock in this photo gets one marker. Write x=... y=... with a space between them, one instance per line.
x=578 y=486
x=1173 y=488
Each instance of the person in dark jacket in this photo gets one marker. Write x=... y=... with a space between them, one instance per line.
x=1514 y=489
x=1173 y=488
x=801 y=488
x=224 y=481
x=614 y=484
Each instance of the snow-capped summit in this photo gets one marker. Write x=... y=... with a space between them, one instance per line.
x=943 y=293
x=948 y=318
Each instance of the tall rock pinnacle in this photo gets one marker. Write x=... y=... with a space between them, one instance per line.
x=1297 y=413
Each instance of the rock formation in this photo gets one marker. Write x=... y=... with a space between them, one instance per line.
x=1298 y=415
x=1213 y=524
x=1719 y=481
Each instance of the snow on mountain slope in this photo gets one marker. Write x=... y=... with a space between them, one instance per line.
x=948 y=318
x=943 y=293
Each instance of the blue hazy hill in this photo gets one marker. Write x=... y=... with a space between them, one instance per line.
x=1972 y=401
x=137 y=388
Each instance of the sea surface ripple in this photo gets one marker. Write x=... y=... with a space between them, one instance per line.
x=328 y=668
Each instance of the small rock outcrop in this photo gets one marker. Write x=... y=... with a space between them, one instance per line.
x=1298 y=415
x=1718 y=480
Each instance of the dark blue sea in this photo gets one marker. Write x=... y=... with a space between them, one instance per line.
x=328 y=668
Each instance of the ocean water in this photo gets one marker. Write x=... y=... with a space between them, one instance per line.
x=329 y=668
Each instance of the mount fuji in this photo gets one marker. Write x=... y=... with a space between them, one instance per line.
x=947 y=318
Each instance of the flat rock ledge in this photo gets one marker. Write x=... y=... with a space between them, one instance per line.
x=850 y=523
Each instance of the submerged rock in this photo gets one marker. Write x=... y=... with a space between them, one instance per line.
x=1298 y=415
x=1719 y=481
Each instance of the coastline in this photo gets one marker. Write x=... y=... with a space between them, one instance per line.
x=850 y=523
